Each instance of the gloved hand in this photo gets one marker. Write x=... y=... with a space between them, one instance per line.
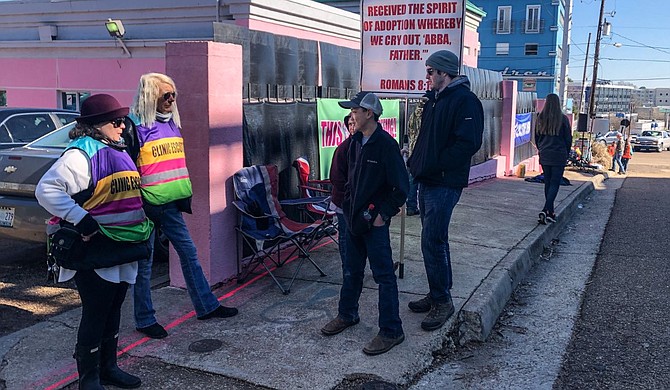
x=87 y=226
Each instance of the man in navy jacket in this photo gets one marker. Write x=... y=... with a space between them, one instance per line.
x=451 y=133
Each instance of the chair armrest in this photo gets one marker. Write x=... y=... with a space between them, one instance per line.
x=315 y=189
x=242 y=207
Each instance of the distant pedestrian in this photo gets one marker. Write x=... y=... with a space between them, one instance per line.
x=627 y=154
x=553 y=138
x=166 y=190
x=376 y=188
x=618 y=154
x=611 y=150
x=452 y=125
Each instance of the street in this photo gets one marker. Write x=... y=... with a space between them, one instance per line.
x=617 y=337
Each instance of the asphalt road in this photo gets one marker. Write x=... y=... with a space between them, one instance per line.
x=620 y=340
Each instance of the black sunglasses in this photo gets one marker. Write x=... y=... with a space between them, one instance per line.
x=117 y=122
x=430 y=71
x=167 y=95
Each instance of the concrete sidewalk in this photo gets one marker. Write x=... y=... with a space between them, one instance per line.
x=275 y=341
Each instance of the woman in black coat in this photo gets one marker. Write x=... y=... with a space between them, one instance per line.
x=553 y=138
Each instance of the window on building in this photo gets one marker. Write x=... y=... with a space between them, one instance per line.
x=532 y=19
x=502 y=48
x=531 y=49
x=466 y=50
x=3 y=98
x=504 y=21
x=72 y=100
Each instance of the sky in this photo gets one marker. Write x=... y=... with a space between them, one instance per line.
x=642 y=29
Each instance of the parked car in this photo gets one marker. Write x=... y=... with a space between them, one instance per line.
x=18 y=126
x=21 y=168
x=657 y=140
x=609 y=137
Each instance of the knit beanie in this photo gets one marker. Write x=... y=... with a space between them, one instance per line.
x=444 y=61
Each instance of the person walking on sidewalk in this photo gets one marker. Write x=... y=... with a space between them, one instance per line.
x=94 y=187
x=376 y=188
x=627 y=154
x=611 y=150
x=618 y=154
x=166 y=190
x=451 y=133
x=553 y=139
x=338 y=179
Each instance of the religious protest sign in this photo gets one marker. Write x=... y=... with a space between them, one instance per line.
x=397 y=36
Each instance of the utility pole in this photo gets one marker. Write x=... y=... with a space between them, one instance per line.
x=565 y=55
x=583 y=87
x=592 y=97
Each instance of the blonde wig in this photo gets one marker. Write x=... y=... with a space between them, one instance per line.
x=146 y=99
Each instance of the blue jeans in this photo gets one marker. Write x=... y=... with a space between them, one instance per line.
x=412 y=195
x=617 y=160
x=172 y=223
x=437 y=205
x=375 y=245
x=552 y=181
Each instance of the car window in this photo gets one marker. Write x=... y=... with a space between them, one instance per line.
x=27 y=127
x=4 y=135
x=66 y=118
x=56 y=139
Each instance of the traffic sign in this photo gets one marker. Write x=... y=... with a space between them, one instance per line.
x=625 y=122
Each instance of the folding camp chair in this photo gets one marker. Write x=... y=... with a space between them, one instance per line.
x=314 y=202
x=266 y=229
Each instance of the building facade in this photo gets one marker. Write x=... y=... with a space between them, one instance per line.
x=609 y=98
x=644 y=97
x=524 y=39
x=55 y=53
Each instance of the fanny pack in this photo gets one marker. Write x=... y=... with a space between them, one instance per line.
x=68 y=250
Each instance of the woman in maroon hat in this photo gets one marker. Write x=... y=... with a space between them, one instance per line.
x=93 y=191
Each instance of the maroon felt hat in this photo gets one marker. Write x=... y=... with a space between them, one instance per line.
x=101 y=108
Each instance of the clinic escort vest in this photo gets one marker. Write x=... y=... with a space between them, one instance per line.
x=116 y=201
x=162 y=163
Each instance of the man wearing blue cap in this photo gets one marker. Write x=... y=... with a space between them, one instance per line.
x=376 y=188
x=451 y=133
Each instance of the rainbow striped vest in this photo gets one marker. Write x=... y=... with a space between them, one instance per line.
x=116 y=202
x=162 y=163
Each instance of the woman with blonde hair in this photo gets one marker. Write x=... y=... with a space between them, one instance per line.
x=553 y=138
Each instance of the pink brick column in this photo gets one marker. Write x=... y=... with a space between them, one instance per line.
x=509 y=90
x=208 y=76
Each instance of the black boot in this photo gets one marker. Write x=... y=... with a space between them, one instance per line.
x=88 y=367
x=110 y=373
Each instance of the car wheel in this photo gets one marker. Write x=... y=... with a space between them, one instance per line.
x=161 y=247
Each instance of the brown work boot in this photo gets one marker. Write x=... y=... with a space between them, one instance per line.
x=438 y=315
x=337 y=325
x=382 y=344
x=422 y=305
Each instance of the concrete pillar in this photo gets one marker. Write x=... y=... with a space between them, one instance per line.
x=208 y=76
x=509 y=90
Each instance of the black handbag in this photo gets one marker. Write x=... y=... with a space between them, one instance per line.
x=68 y=250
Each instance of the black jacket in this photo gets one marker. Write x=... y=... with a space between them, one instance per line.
x=451 y=133
x=376 y=175
x=554 y=149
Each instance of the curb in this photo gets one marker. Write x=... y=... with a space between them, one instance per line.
x=481 y=310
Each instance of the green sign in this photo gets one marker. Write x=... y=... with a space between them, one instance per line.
x=332 y=131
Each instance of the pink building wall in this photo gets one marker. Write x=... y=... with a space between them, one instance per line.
x=30 y=82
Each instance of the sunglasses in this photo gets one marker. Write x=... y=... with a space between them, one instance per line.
x=430 y=71
x=117 y=122
x=168 y=95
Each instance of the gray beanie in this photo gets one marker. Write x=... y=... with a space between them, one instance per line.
x=444 y=61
